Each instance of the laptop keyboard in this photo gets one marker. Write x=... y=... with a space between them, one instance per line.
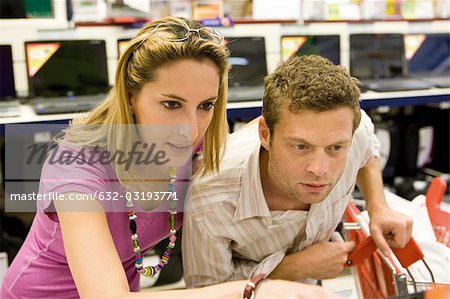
x=9 y=108
x=65 y=105
x=241 y=94
x=438 y=81
x=396 y=84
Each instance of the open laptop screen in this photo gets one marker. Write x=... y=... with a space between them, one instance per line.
x=376 y=56
x=7 y=87
x=66 y=67
x=248 y=60
x=122 y=44
x=327 y=46
x=428 y=53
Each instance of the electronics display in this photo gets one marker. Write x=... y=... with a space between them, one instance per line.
x=66 y=67
x=327 y=46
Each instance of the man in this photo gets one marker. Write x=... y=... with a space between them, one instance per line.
x=285 y=181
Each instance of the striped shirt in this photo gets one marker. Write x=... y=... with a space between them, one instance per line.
x=229 y=233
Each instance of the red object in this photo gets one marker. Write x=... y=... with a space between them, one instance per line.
x=407 y=256
x=438 y=292
x=376 y=280
x=439 y=219
x=361 y=252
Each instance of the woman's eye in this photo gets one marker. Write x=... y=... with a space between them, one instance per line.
x=206 y=106
x=171 y=105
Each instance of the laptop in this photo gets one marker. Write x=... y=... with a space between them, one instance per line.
x=428 y=57
x=66 y=76
x=378 y=61
x=249 y=67
x=9 y=106
x=327 y=46
x=122 y=44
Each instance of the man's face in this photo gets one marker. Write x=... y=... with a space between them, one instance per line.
x=308 y=152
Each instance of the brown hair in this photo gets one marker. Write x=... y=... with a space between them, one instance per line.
x=309 y=82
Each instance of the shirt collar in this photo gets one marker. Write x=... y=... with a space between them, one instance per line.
x=251 y=201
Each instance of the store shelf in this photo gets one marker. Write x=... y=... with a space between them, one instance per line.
x=370 y=100
x=252 y=109
x=131 y=21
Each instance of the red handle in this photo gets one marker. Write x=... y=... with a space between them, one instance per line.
x=362 y=251
x=434 y=196
x=407 y=256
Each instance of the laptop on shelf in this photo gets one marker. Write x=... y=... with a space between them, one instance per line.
x=249 y=67
x=66 y=76
x=327 y=46
x=428 y=57
x=122 y=44
x=9 y=105
x=378 y=61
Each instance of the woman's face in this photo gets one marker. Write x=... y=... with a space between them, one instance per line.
x=174 y=111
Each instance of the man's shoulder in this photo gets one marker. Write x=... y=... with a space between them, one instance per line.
x=224 y=187
x=247 y=134
x=365 y=123
x=240 y=145
x=210 y=191
x=234 y=161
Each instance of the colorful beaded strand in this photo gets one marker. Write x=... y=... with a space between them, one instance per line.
x=150 y=271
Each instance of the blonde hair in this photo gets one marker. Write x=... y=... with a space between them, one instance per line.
x=309 y=82
x=145 y=54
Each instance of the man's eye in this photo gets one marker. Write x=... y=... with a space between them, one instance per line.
x=300 y=146
x=171 y=105
x=336 y=148
x=206 y=106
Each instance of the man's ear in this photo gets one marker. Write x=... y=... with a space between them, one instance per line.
x=264 y=133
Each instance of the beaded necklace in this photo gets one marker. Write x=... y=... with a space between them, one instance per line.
x=150 y=271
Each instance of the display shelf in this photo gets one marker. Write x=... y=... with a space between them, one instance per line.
x=370 y=100
x=251 y=109
x=271 y=30
x=124 y=21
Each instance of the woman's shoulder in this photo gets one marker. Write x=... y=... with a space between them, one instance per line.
x=69 y=157
x=77 y=165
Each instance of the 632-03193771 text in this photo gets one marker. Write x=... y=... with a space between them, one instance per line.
x=142 y=195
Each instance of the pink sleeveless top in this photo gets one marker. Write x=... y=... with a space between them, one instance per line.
x=40 y=269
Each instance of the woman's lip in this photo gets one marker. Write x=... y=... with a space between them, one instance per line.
x=179 y=145
x=180 y=149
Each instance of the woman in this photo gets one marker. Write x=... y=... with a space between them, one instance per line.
x=169 y=96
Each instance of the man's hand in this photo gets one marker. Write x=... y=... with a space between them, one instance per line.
x=322 y=260
x=389 y=229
